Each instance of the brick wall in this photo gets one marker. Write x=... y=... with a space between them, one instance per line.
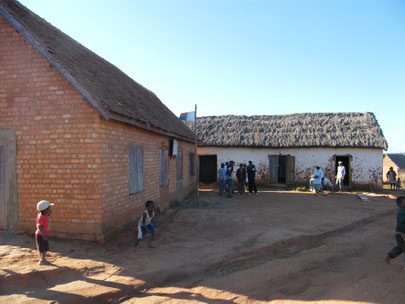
x=115 y=198
x=57 y=138
x=387 y=164
x=68 y=154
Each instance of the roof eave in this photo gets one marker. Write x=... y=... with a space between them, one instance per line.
x=147 y=126
x=52 y=60
x=285 y=147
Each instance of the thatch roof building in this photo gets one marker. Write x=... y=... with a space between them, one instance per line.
x=287 y=147
x=292 y=131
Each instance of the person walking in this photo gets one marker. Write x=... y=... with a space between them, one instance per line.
x=42 y=230
x=392 y=178
x=399 y=231
x=251 y=171
x=341 y=172
x=222 y=179
x=241 y=175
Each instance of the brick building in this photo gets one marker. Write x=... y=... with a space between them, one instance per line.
x=397 y=162
x=77 y=131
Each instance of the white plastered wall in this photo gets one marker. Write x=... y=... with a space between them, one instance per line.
x=366 y=164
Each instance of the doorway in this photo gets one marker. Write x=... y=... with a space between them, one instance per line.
x=208 y=169
x=8 y=180
x=345 y=159
x=282 y=169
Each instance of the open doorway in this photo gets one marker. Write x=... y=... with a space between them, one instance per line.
x=208 y=169
x=345 y=159
x=282 y=169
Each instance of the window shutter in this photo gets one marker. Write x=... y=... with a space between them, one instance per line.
x=140 y=172
x=191 y=164
x=164 y=159
x=179 y=165
x=136 y=174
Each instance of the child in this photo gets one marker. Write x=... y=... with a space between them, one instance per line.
x=398 y=183
x=145 y=223
x=41 y=233
x=399 y=231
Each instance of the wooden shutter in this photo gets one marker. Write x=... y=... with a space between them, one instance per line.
x=164 y=170
x=136 y=173
x=140 y=172
x=179 y=165
x=273 y=169
x=191 y=164
x=290 y=168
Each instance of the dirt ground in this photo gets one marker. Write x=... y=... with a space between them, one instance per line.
x=277 y=247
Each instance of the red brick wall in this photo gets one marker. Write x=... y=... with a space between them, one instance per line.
x=387 y=164
x=68 y=154
x=57 y=138
x=116 y=201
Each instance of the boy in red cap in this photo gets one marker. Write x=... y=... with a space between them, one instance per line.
x=41 y=234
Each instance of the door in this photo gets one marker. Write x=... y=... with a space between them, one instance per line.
x=346 y=162
x=208 y=169
x=290 y=170
x=273 y=169
x=3 y=189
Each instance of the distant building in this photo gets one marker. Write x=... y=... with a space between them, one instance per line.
x=286 y=148
x=77 y=131
x=395 y=160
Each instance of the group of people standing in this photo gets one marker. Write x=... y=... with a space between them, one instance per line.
x=246 y=176
x=318 y=180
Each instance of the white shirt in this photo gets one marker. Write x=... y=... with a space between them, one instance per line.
x=341 y=172
x=148 y=218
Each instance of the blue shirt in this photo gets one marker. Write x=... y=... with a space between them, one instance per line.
x=222 y=173
x=318 y=174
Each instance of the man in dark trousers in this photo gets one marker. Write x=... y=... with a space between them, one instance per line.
x=241 y=175
x=251 y=171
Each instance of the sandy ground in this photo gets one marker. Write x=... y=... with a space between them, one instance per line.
x=277 y=247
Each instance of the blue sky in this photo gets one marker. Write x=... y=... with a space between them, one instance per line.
x=252 y=57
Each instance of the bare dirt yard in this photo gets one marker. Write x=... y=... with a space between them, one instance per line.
x=277 y=247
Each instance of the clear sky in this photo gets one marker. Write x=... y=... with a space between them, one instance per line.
x=252 y=57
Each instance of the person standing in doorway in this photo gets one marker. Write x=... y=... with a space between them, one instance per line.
x=251 y=171
x=222 y=179
x=341 y=172
x=392 y=177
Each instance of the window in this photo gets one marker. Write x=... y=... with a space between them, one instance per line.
x=136 y=177
x=191 y=164
x=164 y=171
x=179 y=165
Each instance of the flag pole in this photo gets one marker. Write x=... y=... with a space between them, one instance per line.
x=196 y=159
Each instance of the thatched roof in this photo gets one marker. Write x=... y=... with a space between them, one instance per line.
x=398 y=159
x=114 y=94
x=295 y=130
